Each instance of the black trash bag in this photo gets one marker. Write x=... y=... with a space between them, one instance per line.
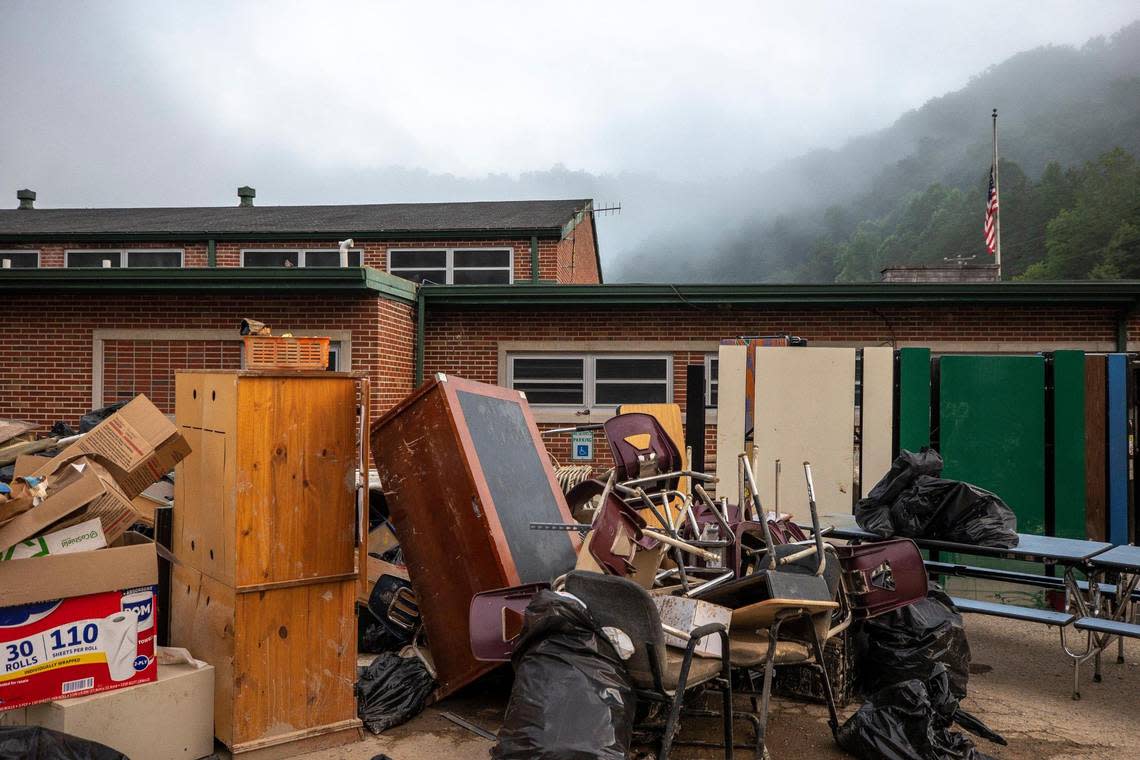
x=373 y=636
x=392 y=690
x=912 y=642
x=572 y=698
x=35 y=743
x=912 y=501
x=61 y=430
x=872 y=512
x=910 y=720
x=95 y=416
x=954 y=511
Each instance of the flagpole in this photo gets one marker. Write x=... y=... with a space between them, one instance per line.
x=997 y=216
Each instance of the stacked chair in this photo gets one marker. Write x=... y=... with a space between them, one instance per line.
x=656 y=531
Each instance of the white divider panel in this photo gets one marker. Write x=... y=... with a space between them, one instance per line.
x=805 y=410
x=729 y=418
x=878 y=415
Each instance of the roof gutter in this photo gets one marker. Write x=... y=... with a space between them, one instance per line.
x=1121 y=294
x=278 y=235
x=363 y=280
x=421 y=320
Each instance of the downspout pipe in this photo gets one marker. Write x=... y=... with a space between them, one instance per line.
x=1123 y=317
x=534 y=259
x=211 y=253
x=421 y=318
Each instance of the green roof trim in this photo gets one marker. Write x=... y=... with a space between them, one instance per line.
x=1121 y=293
x=363 y=280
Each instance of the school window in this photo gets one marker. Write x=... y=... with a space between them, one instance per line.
x=587 y=381
x=453 y=266
x=289 y=257
x=19 y=259
x=712 y=366
x=116 y=259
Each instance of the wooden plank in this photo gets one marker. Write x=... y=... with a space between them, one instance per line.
x=877 y=416
x=302 y=742
x=730 y=418
x=1069 y=444
x=1096 y=440
x=805 y=411
x=295 y=662
x=203 y=520
x=296 y=459
x=914 y=399
x=202 y=621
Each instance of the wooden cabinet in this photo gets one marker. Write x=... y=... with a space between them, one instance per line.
x=465 y=474
x=265 y=533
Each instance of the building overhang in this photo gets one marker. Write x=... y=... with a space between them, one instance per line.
x=361 y=280
x=1118 y=294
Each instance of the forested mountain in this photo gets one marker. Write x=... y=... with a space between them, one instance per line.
x=914 y=193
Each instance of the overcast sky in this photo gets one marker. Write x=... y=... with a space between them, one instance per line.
x=156 y=103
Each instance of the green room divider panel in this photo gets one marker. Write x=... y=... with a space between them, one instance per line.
x=1069 y=444
x=914 y=399
x=992 y=429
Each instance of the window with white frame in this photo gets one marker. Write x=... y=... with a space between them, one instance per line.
x=453 y=266
x=589 y=381
x=299 y=257
x=21 y=259
x=712 y=377
x=115 y=259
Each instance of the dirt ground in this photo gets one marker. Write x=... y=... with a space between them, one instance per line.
x=1020 y=686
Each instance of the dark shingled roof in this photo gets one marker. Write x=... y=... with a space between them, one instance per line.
x=428 y=218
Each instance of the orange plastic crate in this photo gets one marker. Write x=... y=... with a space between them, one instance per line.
x=274 y=352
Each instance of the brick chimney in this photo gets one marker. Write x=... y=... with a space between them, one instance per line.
x=27 y=198
x=246 y=195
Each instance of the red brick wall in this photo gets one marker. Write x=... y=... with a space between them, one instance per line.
x=466 y=343
x=578 y=256
x=52 y=254
x=131 y=367
x=47 y=375
x=554 y=256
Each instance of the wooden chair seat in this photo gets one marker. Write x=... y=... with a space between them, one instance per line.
x=702 y=669
x=750 y=650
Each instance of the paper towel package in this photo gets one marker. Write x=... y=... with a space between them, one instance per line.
x=76 y=624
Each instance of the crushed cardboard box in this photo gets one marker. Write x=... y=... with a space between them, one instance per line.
x=79 y=491
x=137 y=445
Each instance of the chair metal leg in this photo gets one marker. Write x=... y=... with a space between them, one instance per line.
x=769 y=671
x=726 y=710
x=671 y=723
x=828 y=695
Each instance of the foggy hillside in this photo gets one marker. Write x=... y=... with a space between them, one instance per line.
x=816 y=217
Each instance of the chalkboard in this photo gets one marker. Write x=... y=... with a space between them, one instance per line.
x=519 y=486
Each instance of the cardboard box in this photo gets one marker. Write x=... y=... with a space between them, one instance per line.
x=170 y=718
x=137 y=445
x=687 y=614
x=78 y=492
x=76 y=624
x=81 y=537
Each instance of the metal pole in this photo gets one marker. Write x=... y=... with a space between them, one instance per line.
x=997 y=192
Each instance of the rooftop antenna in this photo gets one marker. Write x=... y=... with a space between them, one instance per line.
x=607 y=210
x=959 y=260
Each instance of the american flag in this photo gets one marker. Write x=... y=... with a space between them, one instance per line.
x=991 y=215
